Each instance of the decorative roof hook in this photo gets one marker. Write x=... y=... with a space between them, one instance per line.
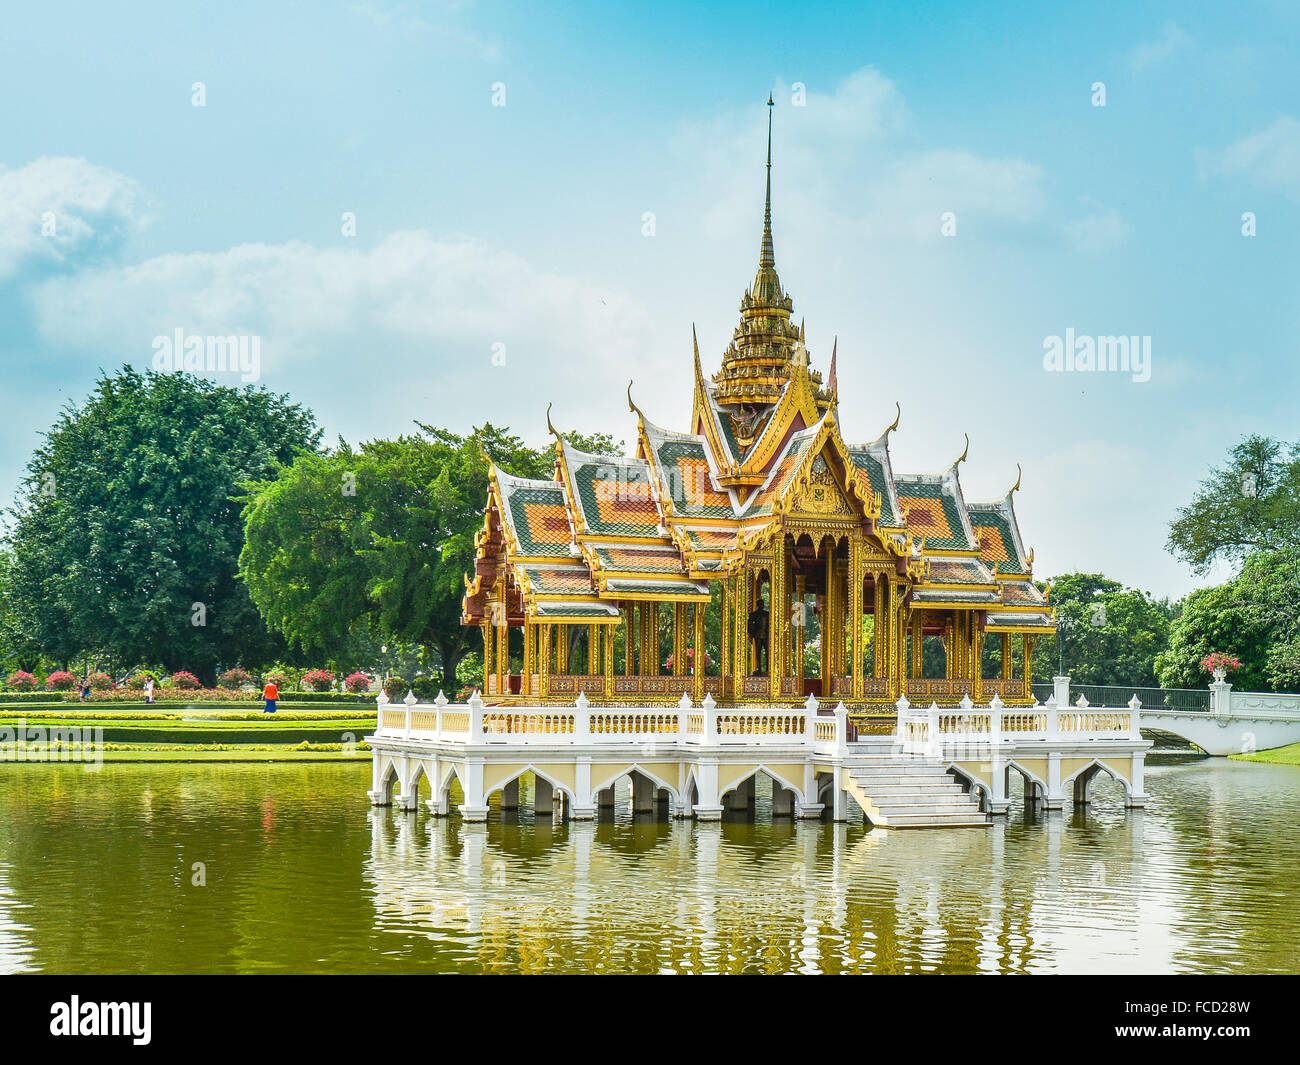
x=1019 y=474
x=962 y=457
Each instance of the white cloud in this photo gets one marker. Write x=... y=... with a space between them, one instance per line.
x=412 y=312
x=1104 y=229
x=442 y=36
x=1270 y=157
x=90 y=207
x=1157 y=51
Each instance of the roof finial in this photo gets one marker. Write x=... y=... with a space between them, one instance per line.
x=551 y=428
x=767 y=257
x=833 y=385
x=1019 y=474
x=631 y=406
x=898 y=416
x=962 y=457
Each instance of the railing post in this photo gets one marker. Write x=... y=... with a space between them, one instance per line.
x=684 y=705
x=710 y=720
x=1220 y=696
x=841 y=728
x=1061 y=691
x=439 y=702
x=1053 y=724
x=382 y=705
x=582 y=720
x=1135 y=719
x=900 y=723
x=932 y=724
x=475 y=718
x=410 y=702
x=810 y=717
x=995 y=721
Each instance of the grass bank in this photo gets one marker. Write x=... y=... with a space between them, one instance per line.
x=1277 y=756
x=207 y=734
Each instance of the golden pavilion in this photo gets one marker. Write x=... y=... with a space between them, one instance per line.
x=802 y=564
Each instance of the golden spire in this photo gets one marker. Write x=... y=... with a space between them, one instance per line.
x=766 y=256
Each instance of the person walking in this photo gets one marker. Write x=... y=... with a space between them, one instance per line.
x=148 y=690
x=270 y=693
x=85 y=688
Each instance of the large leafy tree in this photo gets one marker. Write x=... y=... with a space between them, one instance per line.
x=1250 y=504
x=1255 y=616
x=380 y=537
x=1107 y=633
x=127 y=532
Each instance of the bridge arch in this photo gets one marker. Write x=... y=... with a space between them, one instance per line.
x=974 y=785
x=1035 y=786
x=635 y=767
x=1083 y=777
x=775 y=777
x=570 y=796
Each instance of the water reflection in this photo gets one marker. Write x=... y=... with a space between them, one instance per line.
x=302 y=876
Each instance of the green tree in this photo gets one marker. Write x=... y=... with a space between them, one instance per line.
x=1251 y=504
x=1108 y=633
x=126 y=532
x=380 y=537
x=1255 y=616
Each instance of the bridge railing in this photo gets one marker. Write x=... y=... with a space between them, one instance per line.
x=1119 y=695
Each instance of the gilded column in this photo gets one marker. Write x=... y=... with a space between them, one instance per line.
x=879 y=628
x=1007 y=659
x=799 y=632
x=724 y=635
x=679 y=639
x=544 y=678
x=977 y=658
x=742 y=647
x=609 y=661
x=699 y=650
x=918 y=644
x=1027 y=643
x=776 y=617
x=855 y=610
x=489 y=658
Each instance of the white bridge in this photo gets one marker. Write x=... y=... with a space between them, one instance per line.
x=1236 y=723
x=935 y=767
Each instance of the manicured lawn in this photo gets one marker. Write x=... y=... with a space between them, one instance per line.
x=1277 y=756
x=240 y=753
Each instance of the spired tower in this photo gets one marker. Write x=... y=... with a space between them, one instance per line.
x=726 y=538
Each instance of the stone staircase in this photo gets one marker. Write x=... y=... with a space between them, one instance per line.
x=910 y=791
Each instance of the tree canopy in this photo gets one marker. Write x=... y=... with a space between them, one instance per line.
x=381 y=536
x=126 y=531
x=1251 y=504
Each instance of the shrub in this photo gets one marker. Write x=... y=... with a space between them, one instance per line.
x=235 y=678
x=282 y=679
x=101 y=682
x=464 y=694
x=396 y=688
x=426 y=689
x=60 y=681
x=357 y=683
x=317 y=680
x=20 y=681
x=187 y=681
x=136 y=680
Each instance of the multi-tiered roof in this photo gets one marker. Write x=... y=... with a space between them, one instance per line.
x=764 y=433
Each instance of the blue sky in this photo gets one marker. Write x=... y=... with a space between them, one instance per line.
x=522 y=225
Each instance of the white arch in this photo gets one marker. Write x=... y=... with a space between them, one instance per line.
x=1032 y=778
x=982 y=790
x=761 y=768
x=530 y=768
x=1091 y=768
x=388 y=776
x=636 y=767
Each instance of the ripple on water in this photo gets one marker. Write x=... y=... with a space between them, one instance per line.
x=258 y=868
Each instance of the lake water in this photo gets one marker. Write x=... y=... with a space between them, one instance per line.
x=98 y=871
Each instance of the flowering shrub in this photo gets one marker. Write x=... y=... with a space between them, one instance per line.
x=235 y=678
x=136 y=681
x=317 y=680
x=282 y=680
x=60 y=681
x=21 y=681
x=187 y=681
x=356 y=683
x=100 y=682
x=464 y=694
x=1218 y=660
x=396 y=688
x=690 y=660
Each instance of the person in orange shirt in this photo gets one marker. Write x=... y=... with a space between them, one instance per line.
x=270 y=693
